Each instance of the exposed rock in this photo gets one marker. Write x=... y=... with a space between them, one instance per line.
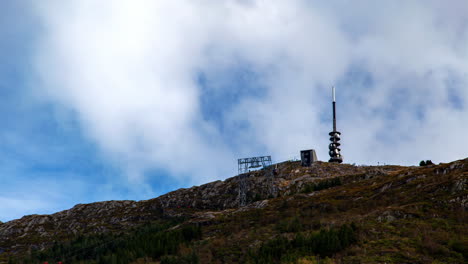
x=390 y=216
x=203 y=204
x=462 y=201
x=259 y=204
x=459 y=185
x=385 y=187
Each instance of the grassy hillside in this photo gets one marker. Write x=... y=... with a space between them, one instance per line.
x=331 y=213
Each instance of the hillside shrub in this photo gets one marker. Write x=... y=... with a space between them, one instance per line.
x=188 y=259
x=154 y=240
x=324 y=243
x=289 y=225
x=426 y=163
x=311 y=187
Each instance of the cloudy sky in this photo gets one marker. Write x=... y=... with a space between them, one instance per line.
x=124 y=99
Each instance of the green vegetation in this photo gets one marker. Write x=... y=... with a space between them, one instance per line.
x=324 y=243
x=426 y=163
x=186 y=259
x=459 y=246
x=311 y=187
x=402 y=215
x=289 y=225
x=154 y=241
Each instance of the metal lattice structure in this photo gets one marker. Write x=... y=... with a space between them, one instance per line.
x=242 y=181
x=246 y=164
x=272 y=189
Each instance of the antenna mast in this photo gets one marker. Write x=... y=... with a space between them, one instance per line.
x=335 y=136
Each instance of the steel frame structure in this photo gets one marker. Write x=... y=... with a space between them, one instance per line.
x=244 y=165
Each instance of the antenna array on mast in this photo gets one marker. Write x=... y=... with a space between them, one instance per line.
x=335 y=137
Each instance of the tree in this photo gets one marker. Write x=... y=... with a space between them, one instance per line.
x=422 y=163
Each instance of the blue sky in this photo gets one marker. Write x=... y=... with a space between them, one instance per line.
x=121 y=99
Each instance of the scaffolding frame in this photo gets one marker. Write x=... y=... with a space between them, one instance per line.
x=244 y=165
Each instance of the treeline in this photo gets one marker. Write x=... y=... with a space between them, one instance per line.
x=426 y=163
x=311 y=187
x=153 y=241
x=324 y=243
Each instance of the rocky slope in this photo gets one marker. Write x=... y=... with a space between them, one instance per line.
x=379 y=198
x=218 y=195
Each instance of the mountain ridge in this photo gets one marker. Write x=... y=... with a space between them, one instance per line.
x=265 y=190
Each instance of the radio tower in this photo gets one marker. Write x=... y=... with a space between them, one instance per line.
x=335 y=155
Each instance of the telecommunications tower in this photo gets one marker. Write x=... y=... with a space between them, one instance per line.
x=334 y=147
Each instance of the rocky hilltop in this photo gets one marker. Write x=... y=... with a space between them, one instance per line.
x=381 y=201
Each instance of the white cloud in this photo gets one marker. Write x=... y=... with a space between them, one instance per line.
x=129 y=70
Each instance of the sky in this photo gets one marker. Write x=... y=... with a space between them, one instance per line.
x=119 y=99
